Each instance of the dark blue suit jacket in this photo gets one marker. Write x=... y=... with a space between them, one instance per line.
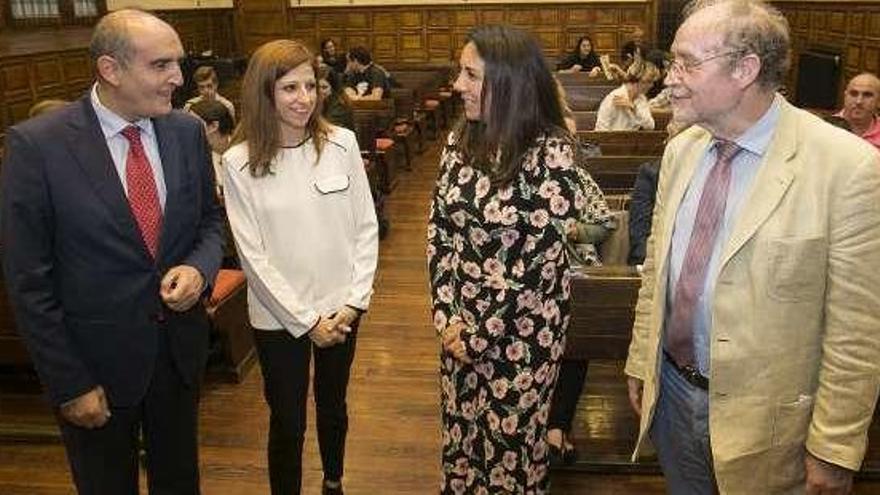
x=83 y=286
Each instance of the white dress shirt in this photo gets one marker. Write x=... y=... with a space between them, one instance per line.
x=112 y=126
x=613 y=118
x=306 y=234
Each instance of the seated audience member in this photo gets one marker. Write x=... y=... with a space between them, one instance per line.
x=626 y=108
x=207 y=83
x=331 y=57
x=661 y=60
x=641 y=204
x=582 y=59
x=860 y=106
x=365 y=80
x=336 y=107
x=641 y=210
x=593 y=227
x=218 y=129
x=45 y=106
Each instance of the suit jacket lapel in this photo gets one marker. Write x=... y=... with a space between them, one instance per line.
x=90 y=151
x=169 y=151
x=773 y=179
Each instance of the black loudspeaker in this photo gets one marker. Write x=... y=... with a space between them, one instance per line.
x=818 y=78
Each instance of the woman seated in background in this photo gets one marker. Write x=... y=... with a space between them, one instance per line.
x=582 y=59
x=303 y=220
x=626 y=108
x=337 y=107
x=331 y=57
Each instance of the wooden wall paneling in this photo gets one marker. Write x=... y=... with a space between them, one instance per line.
x=48 y=80
x=871 y=59
x=873 y=26
x=259 y=21
x=412 y=46
x=851 y=29
x=492 y=16
x=437 y=33
x=16 y=83
x=440 y=45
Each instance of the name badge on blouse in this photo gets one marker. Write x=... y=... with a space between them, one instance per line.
x=332 y=184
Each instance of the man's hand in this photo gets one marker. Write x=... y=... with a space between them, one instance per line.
x=635 y=387
x=325 y=333
x=824 y=478
x=452 y=343
x=89 y=410
x=181 y=287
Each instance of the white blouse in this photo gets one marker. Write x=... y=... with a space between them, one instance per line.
x=306 y=234
x=613 y=118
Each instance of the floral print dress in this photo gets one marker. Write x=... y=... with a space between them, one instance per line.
x=498 y=262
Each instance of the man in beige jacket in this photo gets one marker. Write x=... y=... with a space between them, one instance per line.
x=756 y=347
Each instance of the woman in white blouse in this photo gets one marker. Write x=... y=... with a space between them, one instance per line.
x=305 y=228
x=626 y=108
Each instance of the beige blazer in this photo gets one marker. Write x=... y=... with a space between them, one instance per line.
x=795 y=343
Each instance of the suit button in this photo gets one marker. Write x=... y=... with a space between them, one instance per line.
x=160 y=316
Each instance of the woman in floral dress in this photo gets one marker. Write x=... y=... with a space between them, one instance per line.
x=506 y=196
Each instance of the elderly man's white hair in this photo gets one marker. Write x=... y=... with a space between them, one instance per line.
x=751 y=27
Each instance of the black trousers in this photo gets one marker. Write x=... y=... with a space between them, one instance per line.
x=104 y=461
x=284 y=361
x=572 y=374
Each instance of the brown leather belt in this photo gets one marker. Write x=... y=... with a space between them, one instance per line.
x=689 y=373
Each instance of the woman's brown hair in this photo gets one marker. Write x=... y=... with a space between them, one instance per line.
x=259 y=119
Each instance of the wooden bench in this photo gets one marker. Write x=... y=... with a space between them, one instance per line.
x=582 y=98
x=426 y=85
x=374 y=121
x=615 y=174
x=603 y=305
x=641 y=143
x=582 y=79
x=584 y=120
x=227 y=308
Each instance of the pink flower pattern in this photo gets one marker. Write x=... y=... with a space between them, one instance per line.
x=507 y=282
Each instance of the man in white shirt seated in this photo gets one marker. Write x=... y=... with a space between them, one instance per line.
x=206 y=83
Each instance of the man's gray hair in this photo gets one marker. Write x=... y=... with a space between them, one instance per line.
x=753 y=26
x=112 y=35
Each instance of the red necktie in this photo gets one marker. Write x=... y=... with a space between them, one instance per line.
x=692 y=278
x=143 y=197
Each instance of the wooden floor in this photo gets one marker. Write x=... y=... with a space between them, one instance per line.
x=394 y=437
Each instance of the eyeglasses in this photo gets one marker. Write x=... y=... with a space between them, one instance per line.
x=678 y=67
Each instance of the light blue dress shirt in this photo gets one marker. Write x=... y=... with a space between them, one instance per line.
x=112 y=126
x=754 y=143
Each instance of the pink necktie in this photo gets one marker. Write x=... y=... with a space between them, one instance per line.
x=143 y=197
x=692 y=278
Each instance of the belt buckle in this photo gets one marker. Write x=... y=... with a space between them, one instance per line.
x=693 y=376
x=690 y=373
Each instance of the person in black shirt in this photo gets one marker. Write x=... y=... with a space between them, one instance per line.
x=365 y=80
x=582 y=59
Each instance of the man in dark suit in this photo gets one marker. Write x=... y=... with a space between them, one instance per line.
x=111 y=235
